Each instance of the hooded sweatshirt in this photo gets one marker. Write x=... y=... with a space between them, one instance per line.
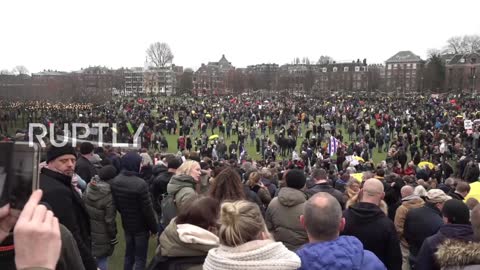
x=283 y=217
x=376 y=231
x=426 y=257
x=345 y=253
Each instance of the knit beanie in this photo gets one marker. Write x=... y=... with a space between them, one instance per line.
x=54 y=152
x=456 y=212
x=295 y=179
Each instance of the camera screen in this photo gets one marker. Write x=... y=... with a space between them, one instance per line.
x=17 y=174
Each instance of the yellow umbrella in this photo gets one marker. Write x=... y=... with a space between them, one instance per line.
x=213 y=137
x=208 y=115
x=357 y=176
x=426 y=163
x=474 y=191
x=459 y=116
x=193 y=112
x=359 y=158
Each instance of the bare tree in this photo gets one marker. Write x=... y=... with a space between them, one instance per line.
x=20 y=70
x=460 y=45
x=433 y=52
x=324 y=59
x=5 y=72
x=160 y=54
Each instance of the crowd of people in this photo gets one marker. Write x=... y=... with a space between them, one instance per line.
x=312 y=194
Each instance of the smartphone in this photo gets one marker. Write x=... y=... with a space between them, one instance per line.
x=19 y=172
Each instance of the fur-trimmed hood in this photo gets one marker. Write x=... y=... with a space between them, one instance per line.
x=458 y=253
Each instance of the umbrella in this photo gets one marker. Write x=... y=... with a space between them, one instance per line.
x=357 y=176
x=459 y=116
x=193 y=112
x=164 y=118
x=359 y=158
x=208 y=115
x=474 y=191
x=213 y=137
x=426 y=163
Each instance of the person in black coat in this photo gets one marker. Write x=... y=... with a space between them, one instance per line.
x=457 y=228
x=321 y=184
x=83 y=167
x=366 y=221
x=64 y=201
x=133 y=201
x=423 y=222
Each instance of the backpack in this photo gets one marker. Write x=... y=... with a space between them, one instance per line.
x=169 y=208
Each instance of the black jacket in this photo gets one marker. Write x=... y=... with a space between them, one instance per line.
x=85 y=169
x=132 y=199
x=325 y=187
x=456 y=196
x=159 y=187
x=421 y=223
x=70 y=210
x=376 y=231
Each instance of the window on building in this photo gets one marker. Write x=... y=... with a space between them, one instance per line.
x=414 y=66
x=394 y=66
x=357 y=69
x=408 y=65
x=345 y=69
x=324 y=69
x=389 y=66
x=334 y=69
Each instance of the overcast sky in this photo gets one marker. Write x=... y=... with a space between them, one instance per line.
x=69 y=35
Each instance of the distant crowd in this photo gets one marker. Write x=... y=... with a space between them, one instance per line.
x=314 y=199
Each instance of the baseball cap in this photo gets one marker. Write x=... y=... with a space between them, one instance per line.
x=437 y=196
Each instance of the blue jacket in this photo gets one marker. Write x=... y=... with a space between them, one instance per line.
x=343 y=253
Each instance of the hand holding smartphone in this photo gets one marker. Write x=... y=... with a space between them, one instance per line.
x=19 y=173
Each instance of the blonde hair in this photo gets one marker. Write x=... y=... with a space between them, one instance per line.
x=186 y=167
x=253 y=179
x=241 y=222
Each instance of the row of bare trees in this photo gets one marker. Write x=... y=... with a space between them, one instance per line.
x=18 y=70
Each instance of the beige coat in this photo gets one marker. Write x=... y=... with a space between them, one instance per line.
x=408 y=203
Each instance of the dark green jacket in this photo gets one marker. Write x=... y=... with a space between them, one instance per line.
x=101 y=209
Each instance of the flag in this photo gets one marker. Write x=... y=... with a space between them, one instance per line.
x=130 y=128
x=333 y=145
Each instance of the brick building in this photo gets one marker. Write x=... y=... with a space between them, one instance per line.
x=349 y=76
x=159 y=80
x=213 y=77
x=404 y=72
x=462 y=73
